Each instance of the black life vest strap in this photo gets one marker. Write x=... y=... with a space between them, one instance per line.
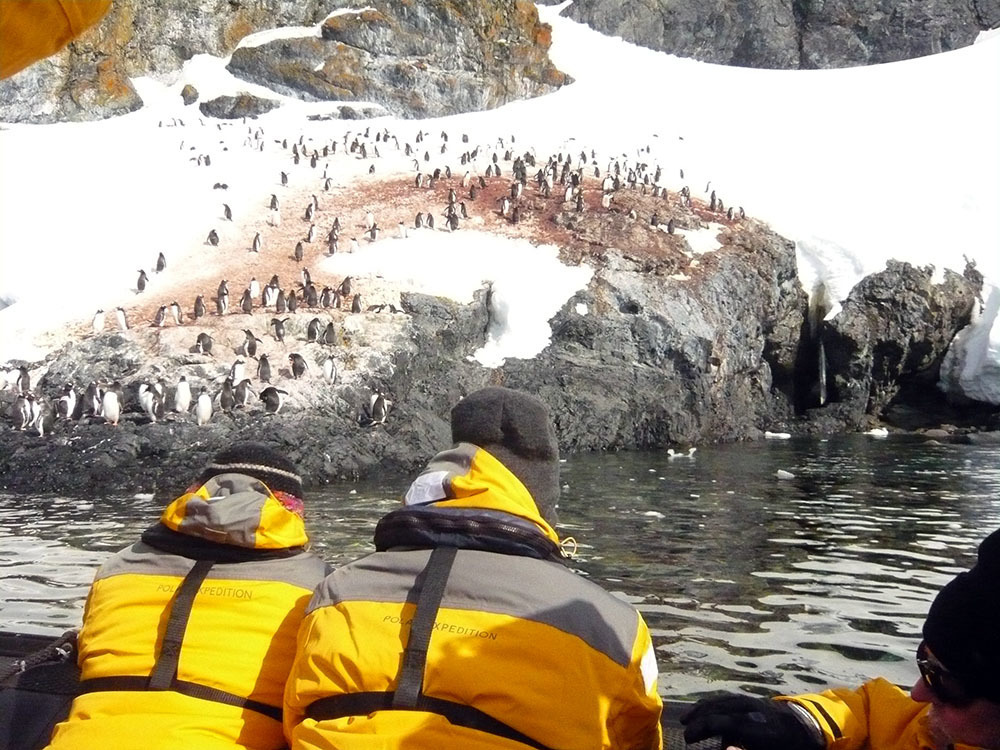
x=411 y=677
x=165 y=670
x=164 y=674
x=190 y=689
x=362 y=704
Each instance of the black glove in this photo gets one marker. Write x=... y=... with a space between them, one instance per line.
x=750 y=723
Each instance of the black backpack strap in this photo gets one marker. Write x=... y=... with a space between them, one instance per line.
x=190 y=689
x=411 y=678
x=461 y=715
x=165 y=670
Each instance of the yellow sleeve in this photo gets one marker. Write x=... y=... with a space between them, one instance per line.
x=635 y=720
x=878 y=715
x=33 y=29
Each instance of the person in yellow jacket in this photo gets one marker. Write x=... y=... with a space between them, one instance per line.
x=188 y=634
x=465 y=628
x=33 y=29
x=954 y=705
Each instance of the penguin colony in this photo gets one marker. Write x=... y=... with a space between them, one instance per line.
x=292 y=312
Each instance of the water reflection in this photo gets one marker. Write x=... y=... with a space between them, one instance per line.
x=747 y=580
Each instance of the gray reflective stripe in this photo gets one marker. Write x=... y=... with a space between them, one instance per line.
x=526 y=588
x=434 y=482
x=231 y=515
x=304 y=570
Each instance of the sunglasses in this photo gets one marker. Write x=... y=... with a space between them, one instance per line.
x=945 y=685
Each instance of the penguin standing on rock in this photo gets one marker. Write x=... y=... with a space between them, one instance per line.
x=203 y=408
x=160 y=317
x=249 y=348
x=227 y=399
x=98 y=322
x=243 y=393
x=175 y=313
x=246 y=302
x=264 y=369
x=312 y=330
x=330 y=369
x=273 y=399
x=199 y=307
x=93 y=398
x=203 y=345
x=182 y=396
x=278 y=325
x=298 y=364
x=66 y=405
x=111 y=403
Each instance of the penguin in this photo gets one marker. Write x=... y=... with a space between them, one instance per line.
x=140 y=285
x=255 y=244
x=160 y=317
x=161 y=263
x=333 y=246
x=306 y=277
x=330 y=369
x=41 y=415
x=273 y=399
x=281 y=302
x=379 y=407
x=278 y=326
x=356 y=303
x=175 y=313
x=111 y=404
x=270 y=295
x=293 y=301
x=264 y=369
x=670 y=226
x=203 y=344
x=299 y=251
x=329 y=336
x=312 y=299
x=355 y=247
x=98 y=322
x=310 y=212
x=249 y=347
x=254 y=287
x=243 y=393
x=299 y=366
x=311 y=234
x=284 y=175
x=326 y=297
x=21 y=411
x=246 y=302
x=227 y=212
x=199 y=307
x=182 y=396
x=274 y=202
x=237 y=371
x=66 y=405
x=93 y=399
x=227 y=400
x=147 y=400
x=312 y=330
x=418 y=222
x=203 y=407
x=222 y=304
x=372 y=233
x=345 y=287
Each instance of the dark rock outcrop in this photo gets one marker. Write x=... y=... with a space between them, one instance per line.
x=792 y=33
x=417 y=58
x=235 y=107
x=892 y=334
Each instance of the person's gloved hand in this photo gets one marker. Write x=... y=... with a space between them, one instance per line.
x=750 y=723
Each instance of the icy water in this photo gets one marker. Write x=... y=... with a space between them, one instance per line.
x=747 y=580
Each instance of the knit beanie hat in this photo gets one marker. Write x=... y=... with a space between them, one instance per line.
x=259 y=461
x=962 y=627
x=515 y=428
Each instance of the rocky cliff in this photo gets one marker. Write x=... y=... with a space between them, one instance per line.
x=792 y=33
x=418 y=58
x=664 y=347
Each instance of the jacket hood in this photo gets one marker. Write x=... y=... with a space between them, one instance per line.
x=469 y=477
x=237 y=510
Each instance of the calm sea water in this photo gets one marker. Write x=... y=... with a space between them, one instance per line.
x=747 y=580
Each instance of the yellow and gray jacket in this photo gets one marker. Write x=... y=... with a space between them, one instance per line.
x=876 y=716
x=188 y=635
x=465 y=629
